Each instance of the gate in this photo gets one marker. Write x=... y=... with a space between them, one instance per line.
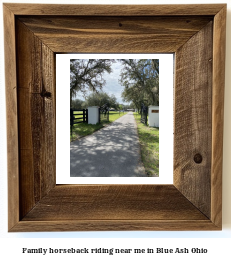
x=78 y=116
x=104 y=113
x=144 y=114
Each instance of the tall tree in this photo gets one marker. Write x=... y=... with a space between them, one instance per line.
x=140 y=79
x=87 y=74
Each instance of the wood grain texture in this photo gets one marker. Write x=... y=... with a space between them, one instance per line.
x=114 y=202
x=115 y=34
x=193 y=126
x=36 y=108
x=218 y=114
x=114 y=207
x=191 y=205
x=114 y=10
x=114 y=225
x=12 y=122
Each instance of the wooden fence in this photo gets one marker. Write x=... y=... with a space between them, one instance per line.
x=78 y=116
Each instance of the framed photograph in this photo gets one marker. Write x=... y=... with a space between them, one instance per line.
x=115 y=153
x=34 y=34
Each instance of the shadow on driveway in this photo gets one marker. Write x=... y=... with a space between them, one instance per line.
x=113 y=151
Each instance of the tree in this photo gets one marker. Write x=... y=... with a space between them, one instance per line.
x=87 y=74
x=78 y=104
x=134 y=95
x=140 y=79
x=101 y=98
x=120 y=107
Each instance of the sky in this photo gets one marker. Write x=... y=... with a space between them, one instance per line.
x=112 y=85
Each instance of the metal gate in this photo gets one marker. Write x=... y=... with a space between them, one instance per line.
x=104 y=113
x=144 y=114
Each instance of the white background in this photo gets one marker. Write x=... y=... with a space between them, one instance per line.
x=218 y=243
x=63 y=128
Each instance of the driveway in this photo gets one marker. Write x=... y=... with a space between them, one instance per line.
x=113 y=151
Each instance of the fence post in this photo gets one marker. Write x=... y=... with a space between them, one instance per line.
x=71 y=119
x=84 y=115
x=99 y=114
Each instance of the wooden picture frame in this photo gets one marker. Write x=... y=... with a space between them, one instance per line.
x=33 y=34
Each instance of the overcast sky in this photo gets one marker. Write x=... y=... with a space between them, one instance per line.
x=112 y=85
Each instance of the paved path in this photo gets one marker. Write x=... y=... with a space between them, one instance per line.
x=110 y=152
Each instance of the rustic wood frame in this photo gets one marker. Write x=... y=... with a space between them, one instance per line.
x=33 y=34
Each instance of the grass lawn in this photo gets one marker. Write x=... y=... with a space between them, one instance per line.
x=83 y=129
x=149 y=143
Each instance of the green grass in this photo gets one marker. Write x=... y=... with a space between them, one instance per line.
x=83 y=129
x=149 y=143
x=114 y=115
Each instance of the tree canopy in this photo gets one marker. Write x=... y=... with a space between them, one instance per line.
x=140 y=78
x=87 y=75
x=78 y=104
x=101 y=98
